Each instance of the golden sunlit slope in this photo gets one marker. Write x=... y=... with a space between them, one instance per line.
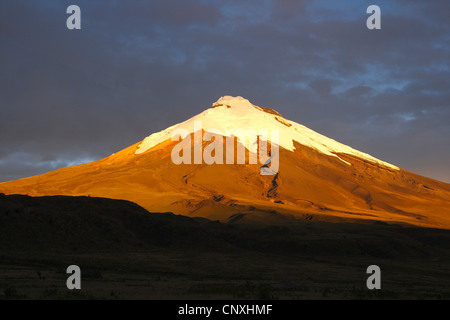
x=310 y=184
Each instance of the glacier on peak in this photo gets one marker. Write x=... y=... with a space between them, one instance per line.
x=232 y=113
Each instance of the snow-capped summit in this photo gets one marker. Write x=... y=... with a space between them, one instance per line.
x=317 y=177
x=232 y=113
x=231 y=101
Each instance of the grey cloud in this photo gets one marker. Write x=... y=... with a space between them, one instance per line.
x=138 y=67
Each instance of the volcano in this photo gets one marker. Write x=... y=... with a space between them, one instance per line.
x=315 y=177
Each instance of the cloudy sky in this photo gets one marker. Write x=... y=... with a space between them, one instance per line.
x=137 y=67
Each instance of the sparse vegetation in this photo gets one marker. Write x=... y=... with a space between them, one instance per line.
x=163 y=256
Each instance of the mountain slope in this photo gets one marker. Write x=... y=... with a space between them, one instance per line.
x=318 y=178
x=69 y=224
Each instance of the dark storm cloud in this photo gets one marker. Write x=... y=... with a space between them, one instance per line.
x=137 y=67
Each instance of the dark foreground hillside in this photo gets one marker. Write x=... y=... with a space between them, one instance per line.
x=125 y=252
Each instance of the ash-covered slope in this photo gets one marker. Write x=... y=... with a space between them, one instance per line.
x=318 y=178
